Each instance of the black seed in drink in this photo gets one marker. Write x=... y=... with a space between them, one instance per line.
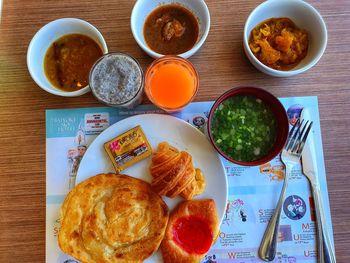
x=117 y=79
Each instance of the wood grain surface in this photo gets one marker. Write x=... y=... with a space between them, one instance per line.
x=221 y=64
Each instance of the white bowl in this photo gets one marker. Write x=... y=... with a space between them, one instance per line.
x=42 y=41
x=304 y=16
x=143 y=8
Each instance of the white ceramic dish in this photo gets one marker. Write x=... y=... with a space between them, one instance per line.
x=304 y=16
x=160 y=128
x=143 y=8
x=42 y=41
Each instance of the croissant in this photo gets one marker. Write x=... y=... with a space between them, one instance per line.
x=173 y=173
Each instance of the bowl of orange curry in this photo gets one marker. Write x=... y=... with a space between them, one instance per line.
x=168 y=27
x=61 y=55
x=284 y=38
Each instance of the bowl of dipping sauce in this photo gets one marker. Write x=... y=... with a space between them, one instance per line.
x=117 y=80
x=61 y=54
x=248 y=126
x=284 y=38
x=167 y=27
x=171 y=82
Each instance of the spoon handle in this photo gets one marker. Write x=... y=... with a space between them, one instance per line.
x=268 y=245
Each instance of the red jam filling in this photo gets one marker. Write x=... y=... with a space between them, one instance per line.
x=192 y=234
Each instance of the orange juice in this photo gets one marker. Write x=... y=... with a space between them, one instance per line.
x=171 y=83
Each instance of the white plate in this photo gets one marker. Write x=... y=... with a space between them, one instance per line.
x=160 y=128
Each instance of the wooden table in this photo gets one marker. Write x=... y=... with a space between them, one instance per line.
x=221 y=64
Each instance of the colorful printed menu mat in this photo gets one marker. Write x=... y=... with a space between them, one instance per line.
x=253 y=191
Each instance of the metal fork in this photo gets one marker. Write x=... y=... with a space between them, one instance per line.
x=290 y=157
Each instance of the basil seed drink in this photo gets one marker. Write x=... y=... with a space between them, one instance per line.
x=244 y=128
x=117 y=80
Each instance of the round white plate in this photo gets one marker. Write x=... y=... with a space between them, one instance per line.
x=159 y=128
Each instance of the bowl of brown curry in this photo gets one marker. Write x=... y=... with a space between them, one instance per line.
x=170 y=27
x=61 y=54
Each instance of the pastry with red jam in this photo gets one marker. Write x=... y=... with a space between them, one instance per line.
x=192 y=229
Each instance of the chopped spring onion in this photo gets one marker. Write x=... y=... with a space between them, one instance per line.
x=244 y=128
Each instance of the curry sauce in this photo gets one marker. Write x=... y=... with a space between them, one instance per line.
x=171 y=30
x=68 y=61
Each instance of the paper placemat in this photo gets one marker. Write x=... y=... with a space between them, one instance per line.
x=252 y=191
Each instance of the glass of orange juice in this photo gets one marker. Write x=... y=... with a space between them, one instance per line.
x=171 y=82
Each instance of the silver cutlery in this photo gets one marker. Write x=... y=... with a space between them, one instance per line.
x=325 y=249
x=290 y=157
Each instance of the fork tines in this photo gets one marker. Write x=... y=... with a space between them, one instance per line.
x=298 y=135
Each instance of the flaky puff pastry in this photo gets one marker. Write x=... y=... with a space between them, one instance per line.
x=173 y=173
x=192 y=229
x=112 y=218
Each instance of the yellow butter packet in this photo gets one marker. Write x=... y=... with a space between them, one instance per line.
x=128 y=148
